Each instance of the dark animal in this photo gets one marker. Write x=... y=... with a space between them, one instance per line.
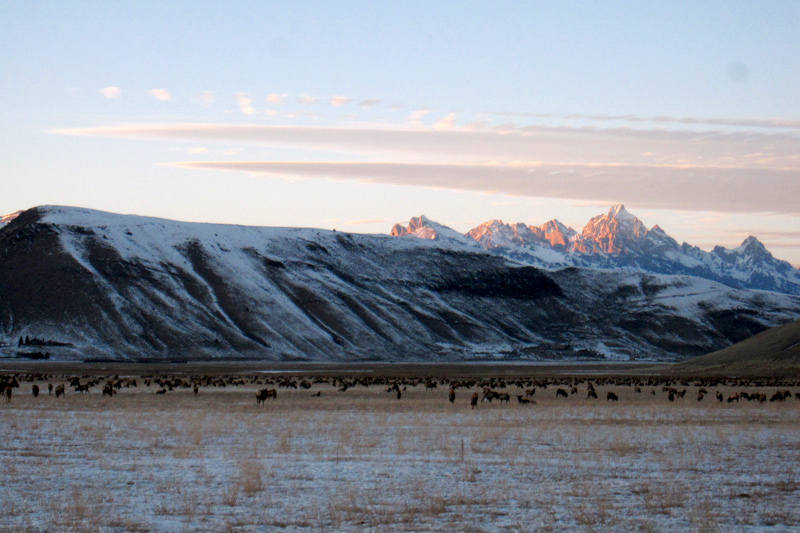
x=719 y=396
x=524 y=400
x=452 y=396
x=83 y=388
x=562 y=392
x=35 y=390
x=195 y=389
x=700 y=395
x=504 y=397
x=733 y=398
x=777 y=397
x=474 y=400
x=399 y=394
x=612 y=397
x=263 y=394
x=108 y=390
x=7 y=393
x=162 y=391
x=592 y=394
x=60 y=390
x=530 y=392
x=49 y=388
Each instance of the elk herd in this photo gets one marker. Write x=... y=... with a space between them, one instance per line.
x=496 y=389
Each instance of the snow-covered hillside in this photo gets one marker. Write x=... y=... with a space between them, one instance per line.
x=129 y=287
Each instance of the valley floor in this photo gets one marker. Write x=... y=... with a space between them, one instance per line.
x=362 y=460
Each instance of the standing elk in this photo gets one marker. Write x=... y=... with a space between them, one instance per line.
x=35 y=390
x=452 y=395
x=263 y=394
x=474 y=400
x=504 y=397
x=60 y=390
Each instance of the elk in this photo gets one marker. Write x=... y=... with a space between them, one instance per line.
x=35 y=390
x=591 y=394
x=719 y=396
x=263 y=394
x=489 y=395
x=612 y=397
x=562 y=392
x=503 y=397
x=60 y=390
x=524 y=401
x=777 y=397
x=452 y=396
x=474 y=400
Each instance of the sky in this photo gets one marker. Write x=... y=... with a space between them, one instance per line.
x=360 y=115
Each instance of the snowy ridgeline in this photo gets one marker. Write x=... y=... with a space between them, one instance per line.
x=121 y=287
x=618 y=240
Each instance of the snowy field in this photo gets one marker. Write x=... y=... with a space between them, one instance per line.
x=362 y=460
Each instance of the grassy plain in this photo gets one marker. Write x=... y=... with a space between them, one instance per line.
x=362 y=460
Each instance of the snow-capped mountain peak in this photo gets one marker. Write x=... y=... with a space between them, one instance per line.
x=619 y=239
x=424 y=228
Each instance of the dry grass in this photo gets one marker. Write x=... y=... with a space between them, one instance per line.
x=361 y=459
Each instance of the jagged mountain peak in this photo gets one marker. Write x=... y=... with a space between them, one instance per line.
x=618 y=239
x=424 y=228
x=752 y=244
x=620 y=213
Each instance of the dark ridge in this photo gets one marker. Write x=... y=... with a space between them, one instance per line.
x=521 y=283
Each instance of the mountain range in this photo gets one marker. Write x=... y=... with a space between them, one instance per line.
x=619 y=240
x=83 y=284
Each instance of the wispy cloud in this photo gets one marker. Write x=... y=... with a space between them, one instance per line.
x=416 y=117
x=446 y=123
x=369 y=102
x=339 y=101
x=111 y=92
x=735 y=172
x=307 y=100
x=197 y=150
x=658 y=187
x=244 y=101
x=275 y=98
x=159 y=94
x=508 y=143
